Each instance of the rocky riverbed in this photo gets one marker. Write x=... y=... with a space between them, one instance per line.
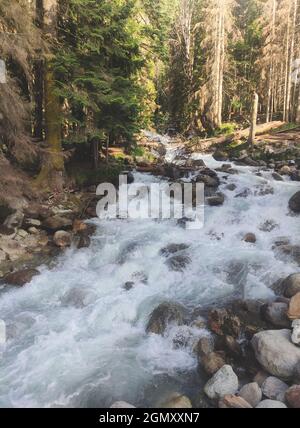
x=150 y=314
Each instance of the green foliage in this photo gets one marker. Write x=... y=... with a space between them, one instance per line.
x=226 y=129
x=97 y=68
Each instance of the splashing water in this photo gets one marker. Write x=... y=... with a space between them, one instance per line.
x=76 y=337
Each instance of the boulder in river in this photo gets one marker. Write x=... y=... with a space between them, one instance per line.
x=250 y=238
x=220 y=155
x=274 y=388
x=172 y=249
x=292 y=396
x=216 y=200
x=251 y=392
x=276 y=314
x=271 y=404
x=276 y=353
x=291 y=285
x=178 y=262
x=294 y=203
x=224 y=382
x=277 y=177
x=165 y=314
x=20 y=277
x=212 y=362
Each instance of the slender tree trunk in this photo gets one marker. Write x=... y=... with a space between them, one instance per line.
x=270 y=80
x=51 y=175
x=38 y=88
x=291 y=58
x=251 y=138
x=298 y=107
x=221 y=71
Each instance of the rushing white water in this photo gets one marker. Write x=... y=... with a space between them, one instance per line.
x=76 y=337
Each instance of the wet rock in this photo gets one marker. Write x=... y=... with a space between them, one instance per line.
x=250 y=238
x=128 y=285
x=233 y=402
x=76 y=297
x=122 y=405
x=292 y=397
x=14 y=220
x=291 y=285
x=221 y=156
x=165 y=314
x=205 y=346
x=276 y=353
x=21 y=277
x=295 y=175
x=208 y=181
x=277 y=176
x=252 y=393
x=292 y=251
x=281 y=240
x=224 y=382
x=84 y=241
x=216 y=200
x=178 y=263
x=62 y=239
x=222 y=322
x=56 y=223
x=231 y=187
x=285 y=170
x=276 y=314
x=176 y=401
x=294 y=203
x=244 y=194
x=294 y=307
x=268 y=226
x=264 y=190
x=274 y=388
x=195 y=163
x=296 y=332
x=233 y=347
x=172 y=249
x=271 y=404
x=79 y=226
x=212 y=362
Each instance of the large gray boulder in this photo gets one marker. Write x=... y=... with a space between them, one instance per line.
x=274 y=388
x=294 y=203
x=166 y=313
x=251 y=392
x=276 y=353
x=271 y=404
x=291 y=285
x=224 y=382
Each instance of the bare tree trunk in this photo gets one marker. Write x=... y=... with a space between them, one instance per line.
x=270 y=80
x=298 y=107
x=221 y=71
x=38 y=86
x=252 y=134
x=288 y=102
